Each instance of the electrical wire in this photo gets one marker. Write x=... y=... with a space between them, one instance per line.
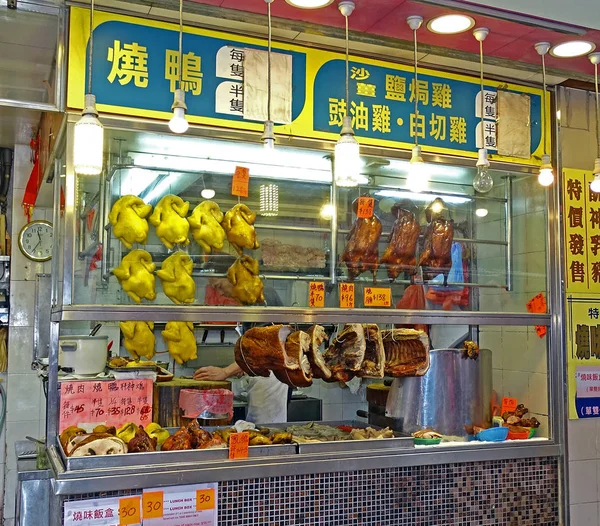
x=269 y=64
x=416 y=88
x=91 y=48
x=482 y=105
x=180 y=68
x=544 y=103
x=347 y=68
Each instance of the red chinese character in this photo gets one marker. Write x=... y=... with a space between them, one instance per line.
x=596 y=271
x=595 y=217
x=98 y=514
x=77 y=516
x=108 y=513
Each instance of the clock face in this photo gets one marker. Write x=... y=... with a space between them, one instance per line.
x=35 y=240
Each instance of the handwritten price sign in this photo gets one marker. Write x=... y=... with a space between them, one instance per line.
x=347 y=296
x=238 y=446
x=241 y=180
x=193 y=504
x=509 y=405
x=537 y=305
x=129 y=511
x=152 y=504
x=366 y=206
x=378 y=297
x=316 y=294
x=205 y=499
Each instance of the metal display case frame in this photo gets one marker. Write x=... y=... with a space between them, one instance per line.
x=183 y=471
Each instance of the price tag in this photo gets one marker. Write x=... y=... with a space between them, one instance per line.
x=537 y=305
x=366 y=206
x=238 y=445
x=508 y=405
x=152 y=504
x=316 y=294
x=193 y=504
x=378 y=297
x=129 y=511
x=205 y=499
x=346 y=295
x=241 y=179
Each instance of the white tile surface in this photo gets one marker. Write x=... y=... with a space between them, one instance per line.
x=331 y=393
x=584 y=514
x=20 y=350
x=24 y=396
x=10 y=493
x=582 y=439
x=332 y=412
x=21 y=303
x=538 y=393
x=18 y=431
x=516 y=385
x=583 y=481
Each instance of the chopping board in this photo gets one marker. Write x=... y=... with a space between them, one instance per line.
x=165 y=409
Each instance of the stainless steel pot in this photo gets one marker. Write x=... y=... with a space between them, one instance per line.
x=456 y=392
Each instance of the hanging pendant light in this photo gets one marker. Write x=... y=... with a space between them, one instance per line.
x=483 y=182
x=178 y=123
x=595 y=185
x=268 y=137
x=88 y=147
x=417 y=180
x=346 y=165
x=269 y=200
x=546 y=175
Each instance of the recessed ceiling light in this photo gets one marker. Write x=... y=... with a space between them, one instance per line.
x=450 y=24
x=481 y=212
x=207 y=193
x=309 y=4
x=576 y=48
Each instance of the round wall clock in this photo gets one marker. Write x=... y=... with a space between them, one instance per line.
x=35 y=240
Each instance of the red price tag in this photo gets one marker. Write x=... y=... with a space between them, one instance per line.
x=378 y=297
x=509 y=405
x=538 y=305
x=366 y=206
x=316 y=294
x=241 y=179
x=238 y=445
x=129 y=511
x=152 y=504
x=205 y=499
x=346 y=295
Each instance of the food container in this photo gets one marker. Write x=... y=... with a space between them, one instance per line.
x=493 y=434
x=86 y=355
x=454 y=393
x=427 y=441
x=512 y=435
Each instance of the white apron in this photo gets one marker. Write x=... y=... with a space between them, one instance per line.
x=267 y=400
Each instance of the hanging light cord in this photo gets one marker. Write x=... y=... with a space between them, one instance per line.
x=91 y=48
x=269 y=65
x=347 y=69
x=416 y=88
x=544 y=104
x=482 y=92
x=180 y=68
x=597 y=108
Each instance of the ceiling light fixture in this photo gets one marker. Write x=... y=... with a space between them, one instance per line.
x=88 y=148
x=346 y=160
x=417 y=180
x=179 y=124
x=309 y=4
x=481 y=212
x=483 y=182
x=327 y=211
x=269 y=200
x=207 y=193
x=450 y=24
x=546 y=176
x=268 y=136
x=575 y=48
x=595 y=185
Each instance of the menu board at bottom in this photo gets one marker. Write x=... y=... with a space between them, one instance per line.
x=191 y=505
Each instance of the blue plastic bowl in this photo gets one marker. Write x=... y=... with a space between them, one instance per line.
x=494 y=434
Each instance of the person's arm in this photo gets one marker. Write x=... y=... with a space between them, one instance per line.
x=218 y=373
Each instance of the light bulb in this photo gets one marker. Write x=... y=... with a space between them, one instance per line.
x=437 y=206
x=208 y=193
x=178 y=124
x=327 y=211
x=481 y=212
x=89 y=140
x=595 y=184
x=269 y=200
x=346 y=161
x=483 y=182
x=418 y=179
x=546 y=177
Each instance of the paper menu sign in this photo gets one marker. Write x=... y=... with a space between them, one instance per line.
x=346 y=295
x=240 y=182
x=192 y=505
x=508 y=405
x=537 y=305
x=365 y=207
x=316 y=294
x=108 y=402
x=93 y=512
x=378 y=297
x=238 y=446
x=129 y=511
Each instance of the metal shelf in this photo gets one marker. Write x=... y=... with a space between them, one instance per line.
x=204 y=314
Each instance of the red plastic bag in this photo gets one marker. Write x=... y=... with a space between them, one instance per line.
x=413 y=299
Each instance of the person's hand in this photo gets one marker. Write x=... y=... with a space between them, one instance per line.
x=215 y=374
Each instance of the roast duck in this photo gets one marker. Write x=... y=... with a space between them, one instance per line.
x=362 y=249
x=401 y=253
x=363 y=351
x=436 y=257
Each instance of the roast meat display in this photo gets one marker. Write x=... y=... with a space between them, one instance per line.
x=401 y=252
x=374 y=363
x=318 y=337
x=436 y=257
x=205 y=224
x=262 y=349
x=347 y=352
x=181 y=340
x=406 y=352
x=247 y=286
x=238 y=224
x=176 y=277
x=362 y=249
x=170 y=220
x=128 y=218
x=136 y=275
x=138 y=338
x=296 y=346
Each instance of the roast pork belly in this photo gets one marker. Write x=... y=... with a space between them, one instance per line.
x=296 y=346
x=346 y=353
x=262 y=349
x=436 y=257
x=318 y=336
x=362 y=250
x=406 y=352
x=401 y=253
x=374 y=363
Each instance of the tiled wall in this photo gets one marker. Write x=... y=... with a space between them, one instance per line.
x=578 y=146
x=26 y=407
